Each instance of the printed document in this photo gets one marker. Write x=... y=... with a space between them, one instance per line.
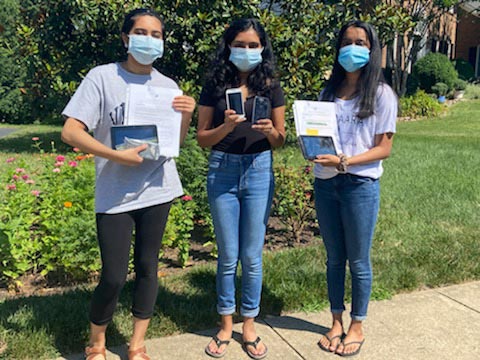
x=316 y=119
x=152 y=105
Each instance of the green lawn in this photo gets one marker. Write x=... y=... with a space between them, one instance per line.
x=427 y=235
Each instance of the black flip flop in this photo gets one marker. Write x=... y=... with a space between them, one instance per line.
x=356 y=352
x=330 y=339
x=254 y=344
x=219 y=343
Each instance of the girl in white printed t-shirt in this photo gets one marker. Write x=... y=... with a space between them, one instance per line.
x=347 y=186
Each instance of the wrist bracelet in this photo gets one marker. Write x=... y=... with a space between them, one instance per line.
x=343 y=165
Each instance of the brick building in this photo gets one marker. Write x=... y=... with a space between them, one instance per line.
x=468 y=34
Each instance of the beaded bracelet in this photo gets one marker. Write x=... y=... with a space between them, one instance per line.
x=343 y=165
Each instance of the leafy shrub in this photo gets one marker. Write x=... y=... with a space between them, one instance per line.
x=293 y=200
x=460 y=85
x=465 y=69
x=179 y=227
x=47 y=221
x=472 y=92
x=434 y=68
x=418 y=105
x=440 y=89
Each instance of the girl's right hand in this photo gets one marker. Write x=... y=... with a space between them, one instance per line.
x=232 y=119
x=131 y=157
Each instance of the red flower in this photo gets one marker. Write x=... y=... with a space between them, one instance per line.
x=187 y=198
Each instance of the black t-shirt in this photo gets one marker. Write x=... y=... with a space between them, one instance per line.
x=243 y=139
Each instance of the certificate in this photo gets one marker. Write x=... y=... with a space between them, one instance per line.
x=316 y=128
x=152 y=105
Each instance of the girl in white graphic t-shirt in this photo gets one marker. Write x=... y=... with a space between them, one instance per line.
x=131 y=192
x=346 y=185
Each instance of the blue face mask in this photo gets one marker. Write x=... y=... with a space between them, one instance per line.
x=145 y=49
x=245 y=59
x=353 y=57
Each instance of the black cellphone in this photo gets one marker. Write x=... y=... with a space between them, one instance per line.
x=261 y=108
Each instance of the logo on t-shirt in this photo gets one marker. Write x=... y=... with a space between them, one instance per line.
x=117 y=115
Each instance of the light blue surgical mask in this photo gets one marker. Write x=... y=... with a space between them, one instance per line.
x=353 y=57
x=144 y=48
x=245 y=59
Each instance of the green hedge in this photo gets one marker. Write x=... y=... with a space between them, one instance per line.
x=434 y=68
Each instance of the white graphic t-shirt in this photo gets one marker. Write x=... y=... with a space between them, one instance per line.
x=358 y=135
x=99 y=103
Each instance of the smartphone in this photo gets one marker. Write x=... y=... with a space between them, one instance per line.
x=235 y=100
x=261 y=108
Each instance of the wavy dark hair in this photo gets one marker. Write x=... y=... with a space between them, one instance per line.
x=223 y=74
x=370 y=78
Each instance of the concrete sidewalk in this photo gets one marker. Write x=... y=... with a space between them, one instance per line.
x=435 y=324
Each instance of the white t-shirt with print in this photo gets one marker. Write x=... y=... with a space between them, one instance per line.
x=358 y=135
x=99 y=103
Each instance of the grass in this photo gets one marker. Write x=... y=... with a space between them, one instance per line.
x=426 y=236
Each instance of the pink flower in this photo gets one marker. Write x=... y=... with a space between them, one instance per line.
x=60 y=158
x=35 y=192
x=75 y=149
x=11 y=187
x=20 y=170
x=58 y=163
x=25 y=177
x=30 y=181
x=35 y=138
x=307 y=169
x=15 y=177
x=187 y=198
x=56 y=170
x=72 y=163
x=9 y=160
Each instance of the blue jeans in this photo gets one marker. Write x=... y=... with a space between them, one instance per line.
x=347 y=207
x=240 y=192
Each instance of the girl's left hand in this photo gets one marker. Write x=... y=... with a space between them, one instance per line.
x=185 y=104
x=265 y=126
x=327 y=160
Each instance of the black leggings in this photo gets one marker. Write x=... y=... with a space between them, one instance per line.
x=114 y=233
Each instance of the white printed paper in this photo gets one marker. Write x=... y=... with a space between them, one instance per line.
x=152 y=105
x=316 y=118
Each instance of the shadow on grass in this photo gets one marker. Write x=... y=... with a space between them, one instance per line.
x=60 y=322
x=62 y=317
x=21 y=142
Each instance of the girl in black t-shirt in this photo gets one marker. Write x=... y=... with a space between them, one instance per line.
x=240 y=177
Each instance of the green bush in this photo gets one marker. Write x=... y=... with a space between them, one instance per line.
x=440 y=89
x=47 y=222
x=460 y=85
x=12 y=71
x=419 y=104
x=434 y=68
x=465 y=69
x=293 y=200
x=472 y=92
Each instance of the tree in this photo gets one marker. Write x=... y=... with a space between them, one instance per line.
x=424 y=16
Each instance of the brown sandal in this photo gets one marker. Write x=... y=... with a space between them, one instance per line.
x=92 y=351
x=141 y=352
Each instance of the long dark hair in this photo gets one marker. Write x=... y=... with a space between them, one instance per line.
x=371 y=75
x=223 y=74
